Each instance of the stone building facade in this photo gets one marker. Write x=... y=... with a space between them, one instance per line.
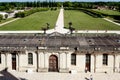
x=60 y=53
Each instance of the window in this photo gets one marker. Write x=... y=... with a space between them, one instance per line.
x=88 y=58
x=73 y=59
x=30 y=58
x=105 y=59
x=0 y=58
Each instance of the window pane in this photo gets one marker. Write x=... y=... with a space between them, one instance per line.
x=105 y=59
x=30 y=58
x=73 y=59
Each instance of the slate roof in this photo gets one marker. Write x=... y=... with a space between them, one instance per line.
x=57 y=41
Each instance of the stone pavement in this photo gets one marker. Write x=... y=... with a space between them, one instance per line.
x=64 y=76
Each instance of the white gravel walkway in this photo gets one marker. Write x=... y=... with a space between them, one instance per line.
x=111 y=21
x=59 y=27
x=97 y=31
x=9 y=21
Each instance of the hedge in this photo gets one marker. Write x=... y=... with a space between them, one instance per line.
x=29 y=12
x=87 y=11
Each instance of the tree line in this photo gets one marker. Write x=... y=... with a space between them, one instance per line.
x=21 y=5
x=29 y=12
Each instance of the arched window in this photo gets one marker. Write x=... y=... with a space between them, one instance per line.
x=73 y=59
x=105 y=59
x=30 y=58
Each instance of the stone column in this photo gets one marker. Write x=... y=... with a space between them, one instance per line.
x=59 y=61
x=37 y=59
x=42 y=62
x=114 y=65
x=18 y=61
x=45 y=61
x=67 y=62
x=6 y=66
x=8 y=63
x=63 y=62
x=94 y=63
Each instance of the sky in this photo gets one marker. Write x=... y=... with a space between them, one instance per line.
x=59 y=0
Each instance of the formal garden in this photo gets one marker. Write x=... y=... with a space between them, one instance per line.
x=83 y=21
x=80 y=15
x=35 y=21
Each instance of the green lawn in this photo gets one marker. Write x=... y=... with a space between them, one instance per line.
x=82 y=21
x=109 y=12
x=34 y=21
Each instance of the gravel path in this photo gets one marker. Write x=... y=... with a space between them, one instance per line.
x=111 y=21
x=59 y=27
x=9 y=21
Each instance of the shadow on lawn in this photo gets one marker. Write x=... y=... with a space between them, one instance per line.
x=8 y=76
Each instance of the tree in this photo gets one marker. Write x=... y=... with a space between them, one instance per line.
x=48 y=25
x=67 y=4
x=58 y=4
x=70 y=24
x=71 y=28
x=44 y=29
x=6 y=16
x=1 y=17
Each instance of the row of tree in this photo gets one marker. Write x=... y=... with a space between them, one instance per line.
x=29 y=12
x=22 y=5
x=3 y=17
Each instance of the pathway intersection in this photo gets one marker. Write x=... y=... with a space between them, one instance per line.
x=59 y=27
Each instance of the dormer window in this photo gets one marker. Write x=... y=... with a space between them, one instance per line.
x=115 y=49
x=96 y=49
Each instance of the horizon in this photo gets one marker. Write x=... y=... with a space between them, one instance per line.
x=60 y=0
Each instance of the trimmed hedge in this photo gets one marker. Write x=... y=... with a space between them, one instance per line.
x=117 y=17
x=71 y=8
x=87 y=11
x=92 y=13
x=1 y=17
x=29 y=12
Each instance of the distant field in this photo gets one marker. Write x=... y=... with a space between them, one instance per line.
x=109 y=12
x=34 y=21
x=82 y=21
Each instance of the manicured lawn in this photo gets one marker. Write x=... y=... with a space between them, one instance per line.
x=33 y=22
x=109 y=12
x=82 y=21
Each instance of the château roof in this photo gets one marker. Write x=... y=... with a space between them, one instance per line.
x=57 y=41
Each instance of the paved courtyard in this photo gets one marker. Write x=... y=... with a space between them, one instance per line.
x=14 y=75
